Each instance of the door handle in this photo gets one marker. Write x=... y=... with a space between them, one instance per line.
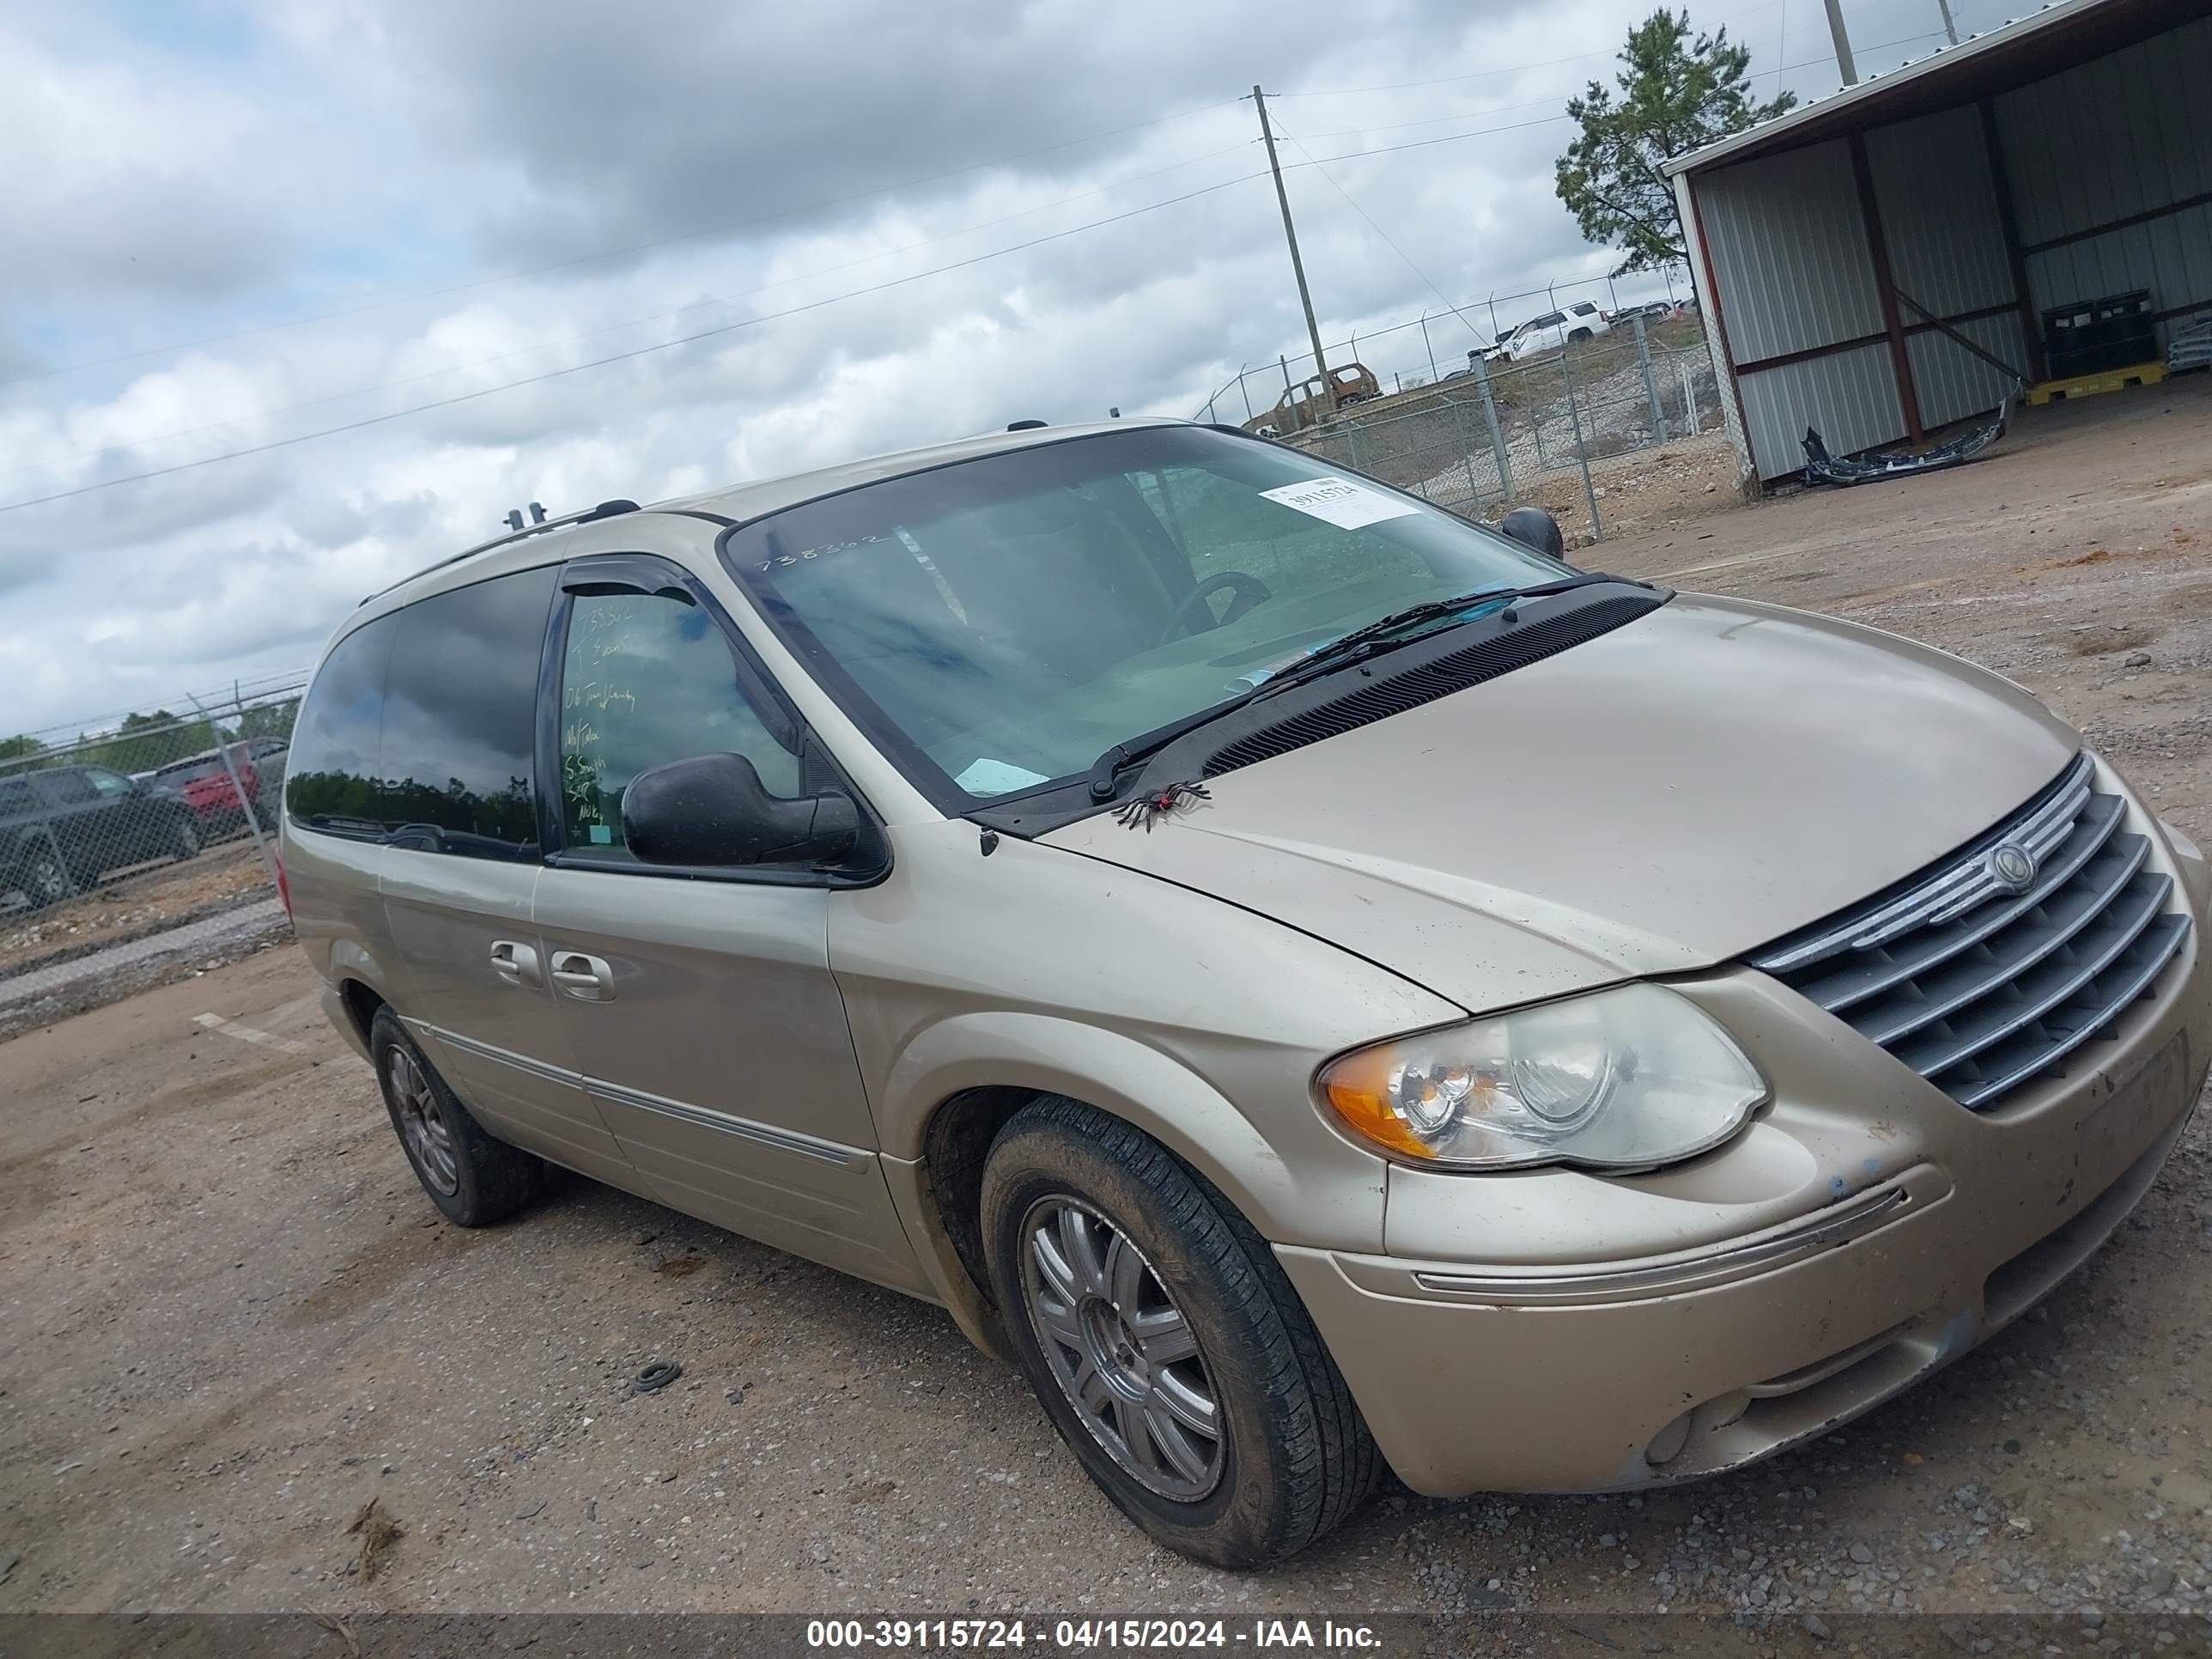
x=515 y=963
x=587 y=979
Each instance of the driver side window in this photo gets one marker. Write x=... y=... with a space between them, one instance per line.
x=646 y=679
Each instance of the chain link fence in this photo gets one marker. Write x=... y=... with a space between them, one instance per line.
x=1541 y=431
x=127 y=851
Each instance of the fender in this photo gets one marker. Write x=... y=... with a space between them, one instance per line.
x=1153 y=1091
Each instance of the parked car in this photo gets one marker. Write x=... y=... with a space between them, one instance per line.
x=1304 y=404
x=1529 y=1028
x=1581 y=321
x=62 y=828
x=205 y=783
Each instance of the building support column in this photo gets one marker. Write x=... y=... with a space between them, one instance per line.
x=2030 y=326
x=1885 y=282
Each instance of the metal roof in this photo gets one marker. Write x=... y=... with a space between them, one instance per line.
x=2026 y=49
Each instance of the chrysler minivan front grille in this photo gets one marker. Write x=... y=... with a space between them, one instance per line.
x=1989 y=970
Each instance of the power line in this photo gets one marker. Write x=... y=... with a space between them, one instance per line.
x=1391 y=241
x=1508 y=68
x=608 y=253
x=615 y=357
x=662 y=316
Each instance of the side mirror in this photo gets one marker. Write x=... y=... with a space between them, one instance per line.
x=1532 y=526
x=711 y=810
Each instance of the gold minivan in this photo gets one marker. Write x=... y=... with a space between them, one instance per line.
x=1316 y=983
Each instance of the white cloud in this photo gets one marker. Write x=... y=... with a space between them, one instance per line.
x=320 y=156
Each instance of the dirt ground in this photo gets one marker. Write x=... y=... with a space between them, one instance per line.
x=232 y=1319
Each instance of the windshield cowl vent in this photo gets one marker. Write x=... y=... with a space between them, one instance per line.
x=1381 y=697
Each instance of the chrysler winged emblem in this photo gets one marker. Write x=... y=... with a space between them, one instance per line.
x=2011 y=867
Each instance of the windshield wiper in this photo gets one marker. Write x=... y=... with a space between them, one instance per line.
x=1106 y=770
x=1357 y=646
x=1366 y=640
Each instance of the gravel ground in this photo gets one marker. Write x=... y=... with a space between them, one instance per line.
x=102 y=974
x=234 y=1319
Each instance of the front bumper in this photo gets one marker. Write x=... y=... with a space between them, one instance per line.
x=1554 y=1375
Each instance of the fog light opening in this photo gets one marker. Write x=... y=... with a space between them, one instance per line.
x=1667 y=1445
x=1719 y=1413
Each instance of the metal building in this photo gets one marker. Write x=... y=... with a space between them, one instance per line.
x=2064 y=157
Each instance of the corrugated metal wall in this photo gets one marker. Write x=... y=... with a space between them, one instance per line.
x=1851 y=397
x=1939 y=212
x=2125 y=134
x=1789 y=251
x=2119 y=135
x=1951 y=382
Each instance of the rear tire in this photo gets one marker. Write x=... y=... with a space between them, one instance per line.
x=1140 y=1304
x=185 y=840
x=46 y=879
x=473 y=1179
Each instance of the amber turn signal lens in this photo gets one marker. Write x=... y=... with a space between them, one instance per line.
x=1358 y=1087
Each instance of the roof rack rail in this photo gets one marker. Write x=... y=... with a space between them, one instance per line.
x=613 y=509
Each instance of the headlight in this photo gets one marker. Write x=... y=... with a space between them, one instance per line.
x=1621 y=1080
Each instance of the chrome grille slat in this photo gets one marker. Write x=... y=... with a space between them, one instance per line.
x=1865 y=927
x=1980 y=988
x=2032 y=995
x=1846 y=987
x=1969 y=977
x=2164 y=941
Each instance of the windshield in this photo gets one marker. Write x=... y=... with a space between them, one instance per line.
x=998 y=623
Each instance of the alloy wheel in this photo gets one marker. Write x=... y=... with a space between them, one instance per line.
x=1123 y=1353
x=423 y=1125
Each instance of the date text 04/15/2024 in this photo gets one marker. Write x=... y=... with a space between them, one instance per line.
x=1086 y=1634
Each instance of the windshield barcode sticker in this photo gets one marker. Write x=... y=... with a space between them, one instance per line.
x=1340 y=502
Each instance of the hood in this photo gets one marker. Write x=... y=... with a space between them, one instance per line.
x=1660 y=798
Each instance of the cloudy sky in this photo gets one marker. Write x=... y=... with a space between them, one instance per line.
x=234 y=222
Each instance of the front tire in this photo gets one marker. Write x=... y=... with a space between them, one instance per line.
x=1164 y=1342
x=474 y=1180
x=185 y=840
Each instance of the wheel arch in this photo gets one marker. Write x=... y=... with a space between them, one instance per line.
x=956 y=1085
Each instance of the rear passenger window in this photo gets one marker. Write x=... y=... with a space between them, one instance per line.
x=70 y=788
x=331 y=785
x=646 y=679
x=460 y=712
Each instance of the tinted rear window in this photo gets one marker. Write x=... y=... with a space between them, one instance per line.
x=333 y=781
x=460 y=718
x=69 y=788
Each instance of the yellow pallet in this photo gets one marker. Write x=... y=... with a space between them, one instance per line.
x=2089 y=386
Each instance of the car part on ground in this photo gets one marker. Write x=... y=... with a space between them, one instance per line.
x=1822 y=467
x=2190 y=348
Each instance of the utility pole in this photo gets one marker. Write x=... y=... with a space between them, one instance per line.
x=1290 y=235
x=1950 y=28
x=1851 y=72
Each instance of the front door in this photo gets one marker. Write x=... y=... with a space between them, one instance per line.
x=459 y=869
x=700 y=1007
